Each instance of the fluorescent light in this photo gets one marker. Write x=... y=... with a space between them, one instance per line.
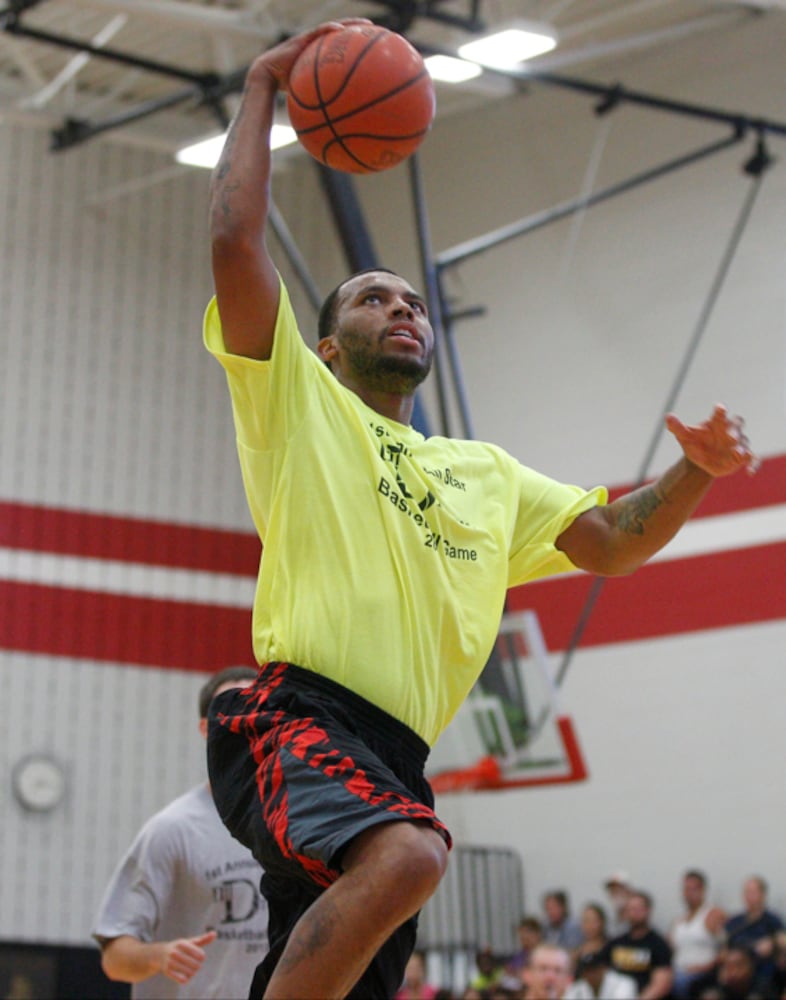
x=202 y=154
x=448 y=69
x=506 y=49
x=207 y=152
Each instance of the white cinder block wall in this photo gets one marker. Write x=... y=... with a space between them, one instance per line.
x=109 y=406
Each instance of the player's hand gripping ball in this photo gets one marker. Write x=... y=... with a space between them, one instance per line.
x=360 y=99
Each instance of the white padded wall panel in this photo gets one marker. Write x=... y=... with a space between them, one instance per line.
x=109 y=401
x=128 y=740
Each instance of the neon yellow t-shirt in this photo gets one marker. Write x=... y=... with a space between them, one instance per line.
x=386 y=555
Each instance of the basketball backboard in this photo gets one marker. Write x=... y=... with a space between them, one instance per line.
x=510 y=731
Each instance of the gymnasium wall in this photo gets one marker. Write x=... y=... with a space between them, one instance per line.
x=126 y=552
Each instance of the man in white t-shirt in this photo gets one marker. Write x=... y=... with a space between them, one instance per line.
x=182 y=916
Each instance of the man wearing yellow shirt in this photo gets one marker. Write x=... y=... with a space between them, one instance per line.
x=386 y=561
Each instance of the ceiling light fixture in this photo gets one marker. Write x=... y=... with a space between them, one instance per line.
x=515 y=44
x=207 y=152
x=449 y=69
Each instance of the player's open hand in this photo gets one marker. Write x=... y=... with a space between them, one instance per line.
x=279 y=60
x=183 y=958
x=719 y=445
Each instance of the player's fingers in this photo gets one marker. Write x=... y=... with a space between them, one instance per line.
x=203 y=939
x=676 y=426
x=183 y=964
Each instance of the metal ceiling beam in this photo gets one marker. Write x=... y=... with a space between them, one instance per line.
x=75 y=65
x=403 y=14
x=13 y=26
x=209 y=88
x=176 y=12
x=612 y=95
x=471 y=248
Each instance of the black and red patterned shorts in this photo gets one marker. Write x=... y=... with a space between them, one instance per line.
x=299 y=766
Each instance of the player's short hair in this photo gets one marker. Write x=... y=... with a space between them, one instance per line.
x=225 y=676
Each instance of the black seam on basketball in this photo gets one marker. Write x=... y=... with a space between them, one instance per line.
x=321 y=104
x=379 y=138
x=340 y=141
x=323 y=108
x=362 y=107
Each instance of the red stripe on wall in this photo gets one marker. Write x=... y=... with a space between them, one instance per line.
x=158 y=543
x=105 y=536
x=733 y=587
x=683 y=595
x=740 y=492
x=106 y=627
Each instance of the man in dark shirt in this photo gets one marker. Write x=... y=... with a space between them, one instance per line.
x=756 y=927
x=641 y=952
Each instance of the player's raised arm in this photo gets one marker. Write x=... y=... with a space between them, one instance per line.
x=617 y=539
x=245 y=277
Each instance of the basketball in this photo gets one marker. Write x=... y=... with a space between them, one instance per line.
x=360 y=99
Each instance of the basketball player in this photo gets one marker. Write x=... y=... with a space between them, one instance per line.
x=182 y=916
x=386 y=562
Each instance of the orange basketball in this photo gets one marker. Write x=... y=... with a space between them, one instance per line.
x=360 y=99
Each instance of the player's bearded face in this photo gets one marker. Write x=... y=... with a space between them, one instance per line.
x=380 y=366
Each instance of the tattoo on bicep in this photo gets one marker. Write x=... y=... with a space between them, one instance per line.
x=638 y=509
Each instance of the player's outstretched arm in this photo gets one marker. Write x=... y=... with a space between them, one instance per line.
x=246 y=282
x=126 y=959
x=617 y=539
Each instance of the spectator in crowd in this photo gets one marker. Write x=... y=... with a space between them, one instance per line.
x=695 y=938
x=549 y=972
x=416 y=986
x=755 y=927
x=738 y=978
x=502 y=992
x=530 y=932
x=593 y=930
x=779 y=962
x=183 y=916
x=560 y=927
x=489 y=970
x=641 y=951
x=594 y=979
x=618 y=888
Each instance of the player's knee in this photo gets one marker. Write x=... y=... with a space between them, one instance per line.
x=418 y=857
x=431 y=855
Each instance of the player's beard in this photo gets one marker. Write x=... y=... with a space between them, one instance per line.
x=384 y=372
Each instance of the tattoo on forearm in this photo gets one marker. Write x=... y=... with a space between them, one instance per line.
x=638 y=509
x=225 y=164
x=226 y=191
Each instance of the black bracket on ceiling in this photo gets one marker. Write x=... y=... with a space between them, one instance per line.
x=15 y=8
x=402 y=14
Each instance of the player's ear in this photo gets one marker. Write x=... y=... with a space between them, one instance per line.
x=203 y=728
x=327 y=349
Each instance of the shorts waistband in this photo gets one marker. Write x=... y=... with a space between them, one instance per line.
x=374 y=719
